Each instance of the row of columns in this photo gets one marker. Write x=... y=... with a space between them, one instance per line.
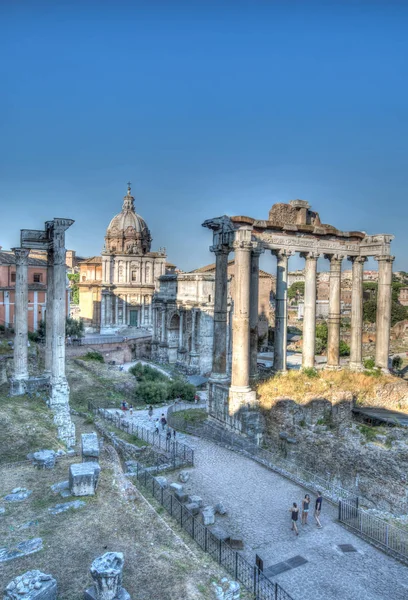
x=163 y=329
x=110 y=310
x=245 y=317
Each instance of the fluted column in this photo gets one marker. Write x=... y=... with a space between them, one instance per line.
x=253 y=313
x=333 y=341
x=20 y=321
x=116 y=300
x=163 y=338
x=103 y=309
x=309 y=319
x=240 y=348
x=193 y=331
x=219 y=359
x=181 y=329
x=356 y=345
x=49 y=311
x=384 y=301
x=281 y=309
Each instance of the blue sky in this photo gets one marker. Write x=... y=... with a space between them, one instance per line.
x=209 y=108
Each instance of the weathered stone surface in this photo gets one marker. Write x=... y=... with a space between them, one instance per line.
x=61 y=488
x=17 y=495
x=2 y=510
x=90 y=447
x=219 y=533
x=227 y=590
x=83 y=478
x=208 y=515
x=60 y=508
x=162 y=481
x=28 y=524
x=32 y=585
x=220 y=509
x=44 y=459
x=195 y=500
x=193 y=508
x=22 y=549
x=176 y=487
x=106 y=571
x=235 y=543
x=184 y=476
x=181 y=497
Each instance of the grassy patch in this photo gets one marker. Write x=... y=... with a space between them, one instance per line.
x=192 y=415
x=301 y=387
x=123 y=435
x=368 y=432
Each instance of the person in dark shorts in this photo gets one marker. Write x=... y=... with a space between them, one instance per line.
x=295 y=514
x=305 y=509
x=318 y=509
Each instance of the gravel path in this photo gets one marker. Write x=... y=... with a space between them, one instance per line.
x=258 y=503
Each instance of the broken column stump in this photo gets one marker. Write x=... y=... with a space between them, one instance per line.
x=106 y=571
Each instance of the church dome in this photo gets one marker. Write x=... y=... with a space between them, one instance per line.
x=127 y=232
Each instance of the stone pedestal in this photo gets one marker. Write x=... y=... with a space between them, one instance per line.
x=44 y=459
x=83 y=478
x=163 y=353
x=90 y=447
x=106 y=572
x=32 y=585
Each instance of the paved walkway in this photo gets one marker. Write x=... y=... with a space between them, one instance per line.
x=258 y=503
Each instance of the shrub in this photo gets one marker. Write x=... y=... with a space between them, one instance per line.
x=181 y=389
x=344 y=348
x=152 y=392
x=310 y=372
x=369 y=363
x=397 y=363
x=147 y=373
x=2 y=329
x=93 y=355
x=33 y=336
x=320 y=346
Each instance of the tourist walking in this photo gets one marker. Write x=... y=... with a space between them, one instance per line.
x=318 y=509
x=150 y=412
x=174 y=434
x=130 y=410
x=168 y=438
x=163 y=421
x=156 y=424
x=305 y=509
x=294 y=510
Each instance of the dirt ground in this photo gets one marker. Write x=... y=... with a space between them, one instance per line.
x=161 y=562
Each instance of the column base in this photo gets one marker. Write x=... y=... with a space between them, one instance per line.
x=59 y=404
x=222 y=378
x=18 y=387
x=241 y=397
x=356 y=367
x=194 y=364
x=162 y=354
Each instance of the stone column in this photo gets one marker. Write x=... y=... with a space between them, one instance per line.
x=219 y=358
x=281 y=310
x=253 y=314
x=383 y=321
x=59 y=396
x=163 y=346
x=356 y=347
x=103 y=309
x=116 y=300
x=193 y=366
x=20 y=323
x=49 y=311
x=150 y=311
x=181 y=330
x=309 y=319
x=333 y=340
x=240 y=349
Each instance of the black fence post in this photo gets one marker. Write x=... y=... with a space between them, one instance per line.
x=255 y=582
x=220 y=552
x=236 y=565
x=206 y=540
x=339 y=510
x=171 y=505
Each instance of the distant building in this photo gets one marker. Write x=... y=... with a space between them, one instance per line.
x=403 y=296
x=37 y=288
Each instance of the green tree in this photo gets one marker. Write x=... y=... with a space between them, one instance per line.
x=73 y=284
x=297 y=288
x=344 y=348
x=152 y=392
x=322 y=332
x=397 y=363
x=74 y=328
x=370 y=310
x=319 y=346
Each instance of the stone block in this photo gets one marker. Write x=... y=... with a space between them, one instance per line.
x=83 y=478
x=181 y=497
x=184 y=476
x=60 y=508
x=106 y=571
x=44 y=459
x=193 y=508
x=208 y=515
x=17 y=495
x=227 y=590
x=162 y=481
x=90 y=447
x=235 y=543
x=32 y=585
x=61 y=488
x=220 y=509
x=219 y=533
x=196 y=500
x=21 y=549
x=176 y=487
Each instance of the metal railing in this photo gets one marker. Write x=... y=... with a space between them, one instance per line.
x=111 y=339
x=249 y=575
x=389 y=537
x=329 y=488
x=175 y=449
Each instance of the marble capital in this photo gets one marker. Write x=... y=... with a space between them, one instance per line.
x=21 y=255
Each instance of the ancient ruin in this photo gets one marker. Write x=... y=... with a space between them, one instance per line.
x=51 y=239
x=290 y=228
x=106 y=572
